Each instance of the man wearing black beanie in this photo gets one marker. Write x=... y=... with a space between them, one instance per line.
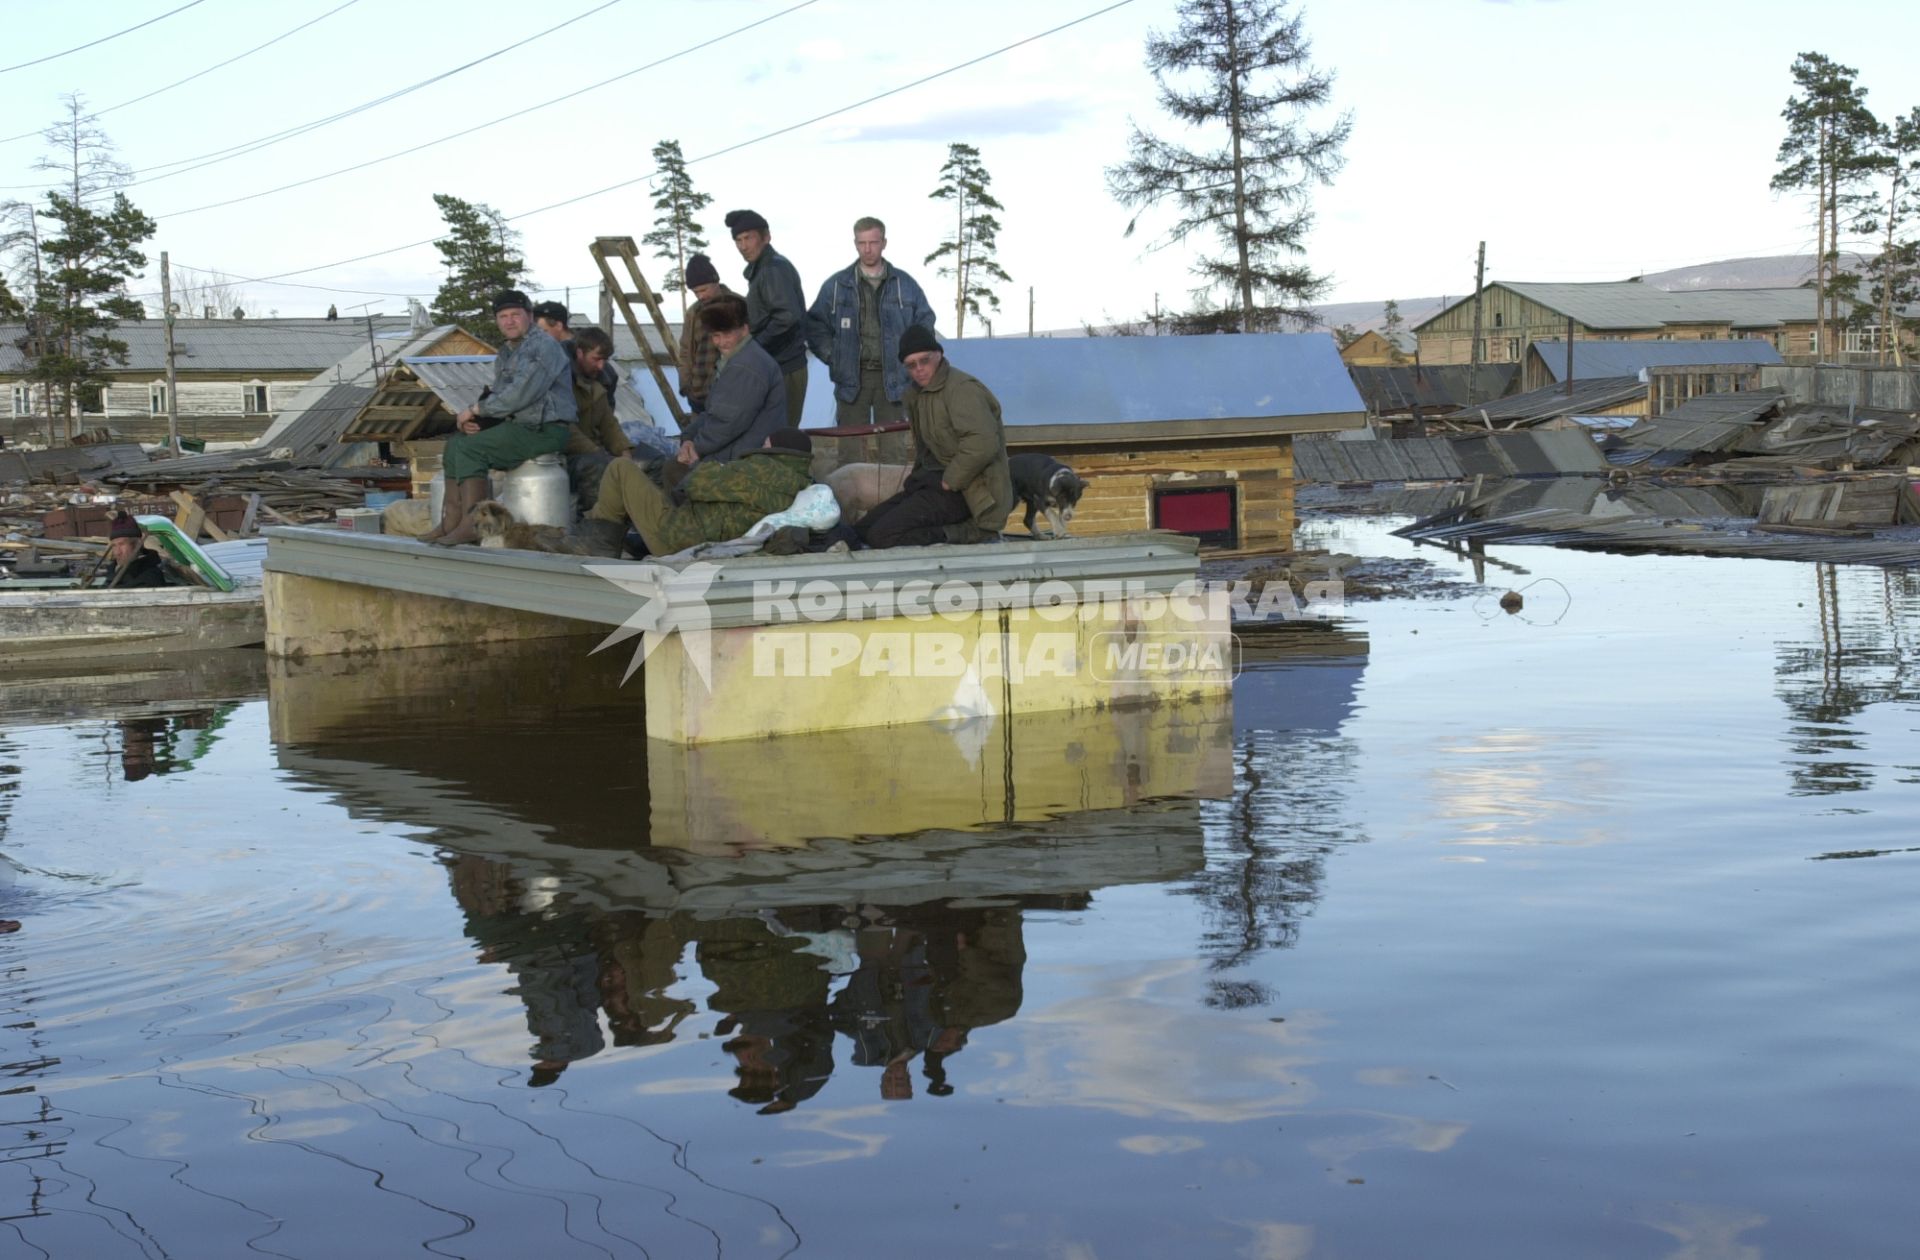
x=960 y=489
x=776 y=304
x=699 y=357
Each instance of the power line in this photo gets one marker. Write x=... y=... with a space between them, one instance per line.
x=261 y=142
x=103 y=39
x=28 y=135
x=520 y=113
x=527 y=214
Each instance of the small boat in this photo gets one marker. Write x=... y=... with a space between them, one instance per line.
x=223 y=609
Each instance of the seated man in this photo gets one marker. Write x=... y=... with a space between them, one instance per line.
x=527 y=412
x=714 y=502
x=130 y=564
x=553 y=319
x=748 y=398
x=597 y=438
x=960 y=490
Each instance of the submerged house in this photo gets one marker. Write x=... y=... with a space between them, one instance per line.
x=233 y=376
x=1193 y=434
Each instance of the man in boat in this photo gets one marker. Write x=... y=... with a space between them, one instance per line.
x=130 y=564
x=776 y=304
x=553 y=319
x=597 y=439
x=854 y=327
x=699 y=357
x=960 y=490
x=716 y=501
x=527 y=412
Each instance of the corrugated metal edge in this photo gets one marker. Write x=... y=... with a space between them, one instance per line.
x=561 y=586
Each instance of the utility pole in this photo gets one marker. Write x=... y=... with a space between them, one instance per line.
x=1479 y=283
x=1569 y=356
x=373 y=353
x=1029 y=310
x=173 y=393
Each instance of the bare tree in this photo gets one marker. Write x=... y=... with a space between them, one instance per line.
x=196 y=292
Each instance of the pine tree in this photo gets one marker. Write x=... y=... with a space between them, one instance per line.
x=1894 y=273
x=1241 y=66
x=676 y=233
x=77 y=277
x=1828 y=150
x=967 y=255
x=482 y=257
x=1391 y=327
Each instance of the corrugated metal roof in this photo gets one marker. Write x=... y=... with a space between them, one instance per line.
x=230 y=345
x=1397 y=390
x=1630 y=304
x=459 y=378
x=1588 y=396
x=1533 y=454
x=1711 y=422
x=1627 y=358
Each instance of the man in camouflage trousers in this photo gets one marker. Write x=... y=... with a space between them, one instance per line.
x=715 y=501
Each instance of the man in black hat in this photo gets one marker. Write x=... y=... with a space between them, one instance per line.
x=960 y=489
x=529 y=411
x=713 y=503
x=699 y=357
x=776 y=305
x=130 y=564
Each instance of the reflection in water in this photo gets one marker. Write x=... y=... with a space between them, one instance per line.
x=866 y=885
x=1288 y=811
x=1864 y=657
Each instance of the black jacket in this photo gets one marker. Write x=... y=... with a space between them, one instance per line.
x=777 y=309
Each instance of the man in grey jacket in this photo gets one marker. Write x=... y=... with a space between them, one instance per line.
x=528 y=411
x=854 y=328
x=748 y=401
x=776 y=304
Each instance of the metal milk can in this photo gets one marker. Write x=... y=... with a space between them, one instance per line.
x=538 y=492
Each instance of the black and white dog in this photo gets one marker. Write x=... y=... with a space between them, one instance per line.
x=1045 y=484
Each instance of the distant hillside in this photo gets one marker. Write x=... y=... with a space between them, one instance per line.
x=1783 y=272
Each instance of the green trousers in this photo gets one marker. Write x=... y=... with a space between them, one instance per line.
x=796 y=393
x=505 y=445
x=628 y=494
x=870 y=405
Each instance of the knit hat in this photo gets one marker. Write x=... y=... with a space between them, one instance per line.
x=124 y=526
x=739 y=221
x=555 y=311
x=510 y=297
x=700 y=270
x=916 y=339
x=791 y=440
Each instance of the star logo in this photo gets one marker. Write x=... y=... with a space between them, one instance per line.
x=671 y=600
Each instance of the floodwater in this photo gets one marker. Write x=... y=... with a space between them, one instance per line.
x=1584 y=932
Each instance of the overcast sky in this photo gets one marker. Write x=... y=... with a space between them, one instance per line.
x=1583 y=139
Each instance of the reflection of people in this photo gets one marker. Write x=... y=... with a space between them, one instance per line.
x=547 y=953
x=130 y=564
x=136 y=746
x=885 y=1008
x=976 y=958
x=774 y=998
x=638 y=959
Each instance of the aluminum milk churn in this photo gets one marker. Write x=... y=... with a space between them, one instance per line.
x=539 y=493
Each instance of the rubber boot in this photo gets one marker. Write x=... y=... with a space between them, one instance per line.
x=604 y=540
x=472 y=492
x=450 y=512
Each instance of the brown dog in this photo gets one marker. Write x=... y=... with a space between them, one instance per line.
x=497 y=528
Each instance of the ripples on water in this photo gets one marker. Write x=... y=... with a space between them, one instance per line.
x=1461 y=935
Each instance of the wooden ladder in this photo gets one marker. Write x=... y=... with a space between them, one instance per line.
x=607 y=249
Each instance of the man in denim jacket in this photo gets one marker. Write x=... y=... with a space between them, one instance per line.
x=854 y=327
x=527 y=411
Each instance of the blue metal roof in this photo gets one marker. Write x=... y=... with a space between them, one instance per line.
x=1627 y=358
x=1135 y=380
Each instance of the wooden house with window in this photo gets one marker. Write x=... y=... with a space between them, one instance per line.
x=1193 y=434
x=1513 y=315
x=233 y=375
